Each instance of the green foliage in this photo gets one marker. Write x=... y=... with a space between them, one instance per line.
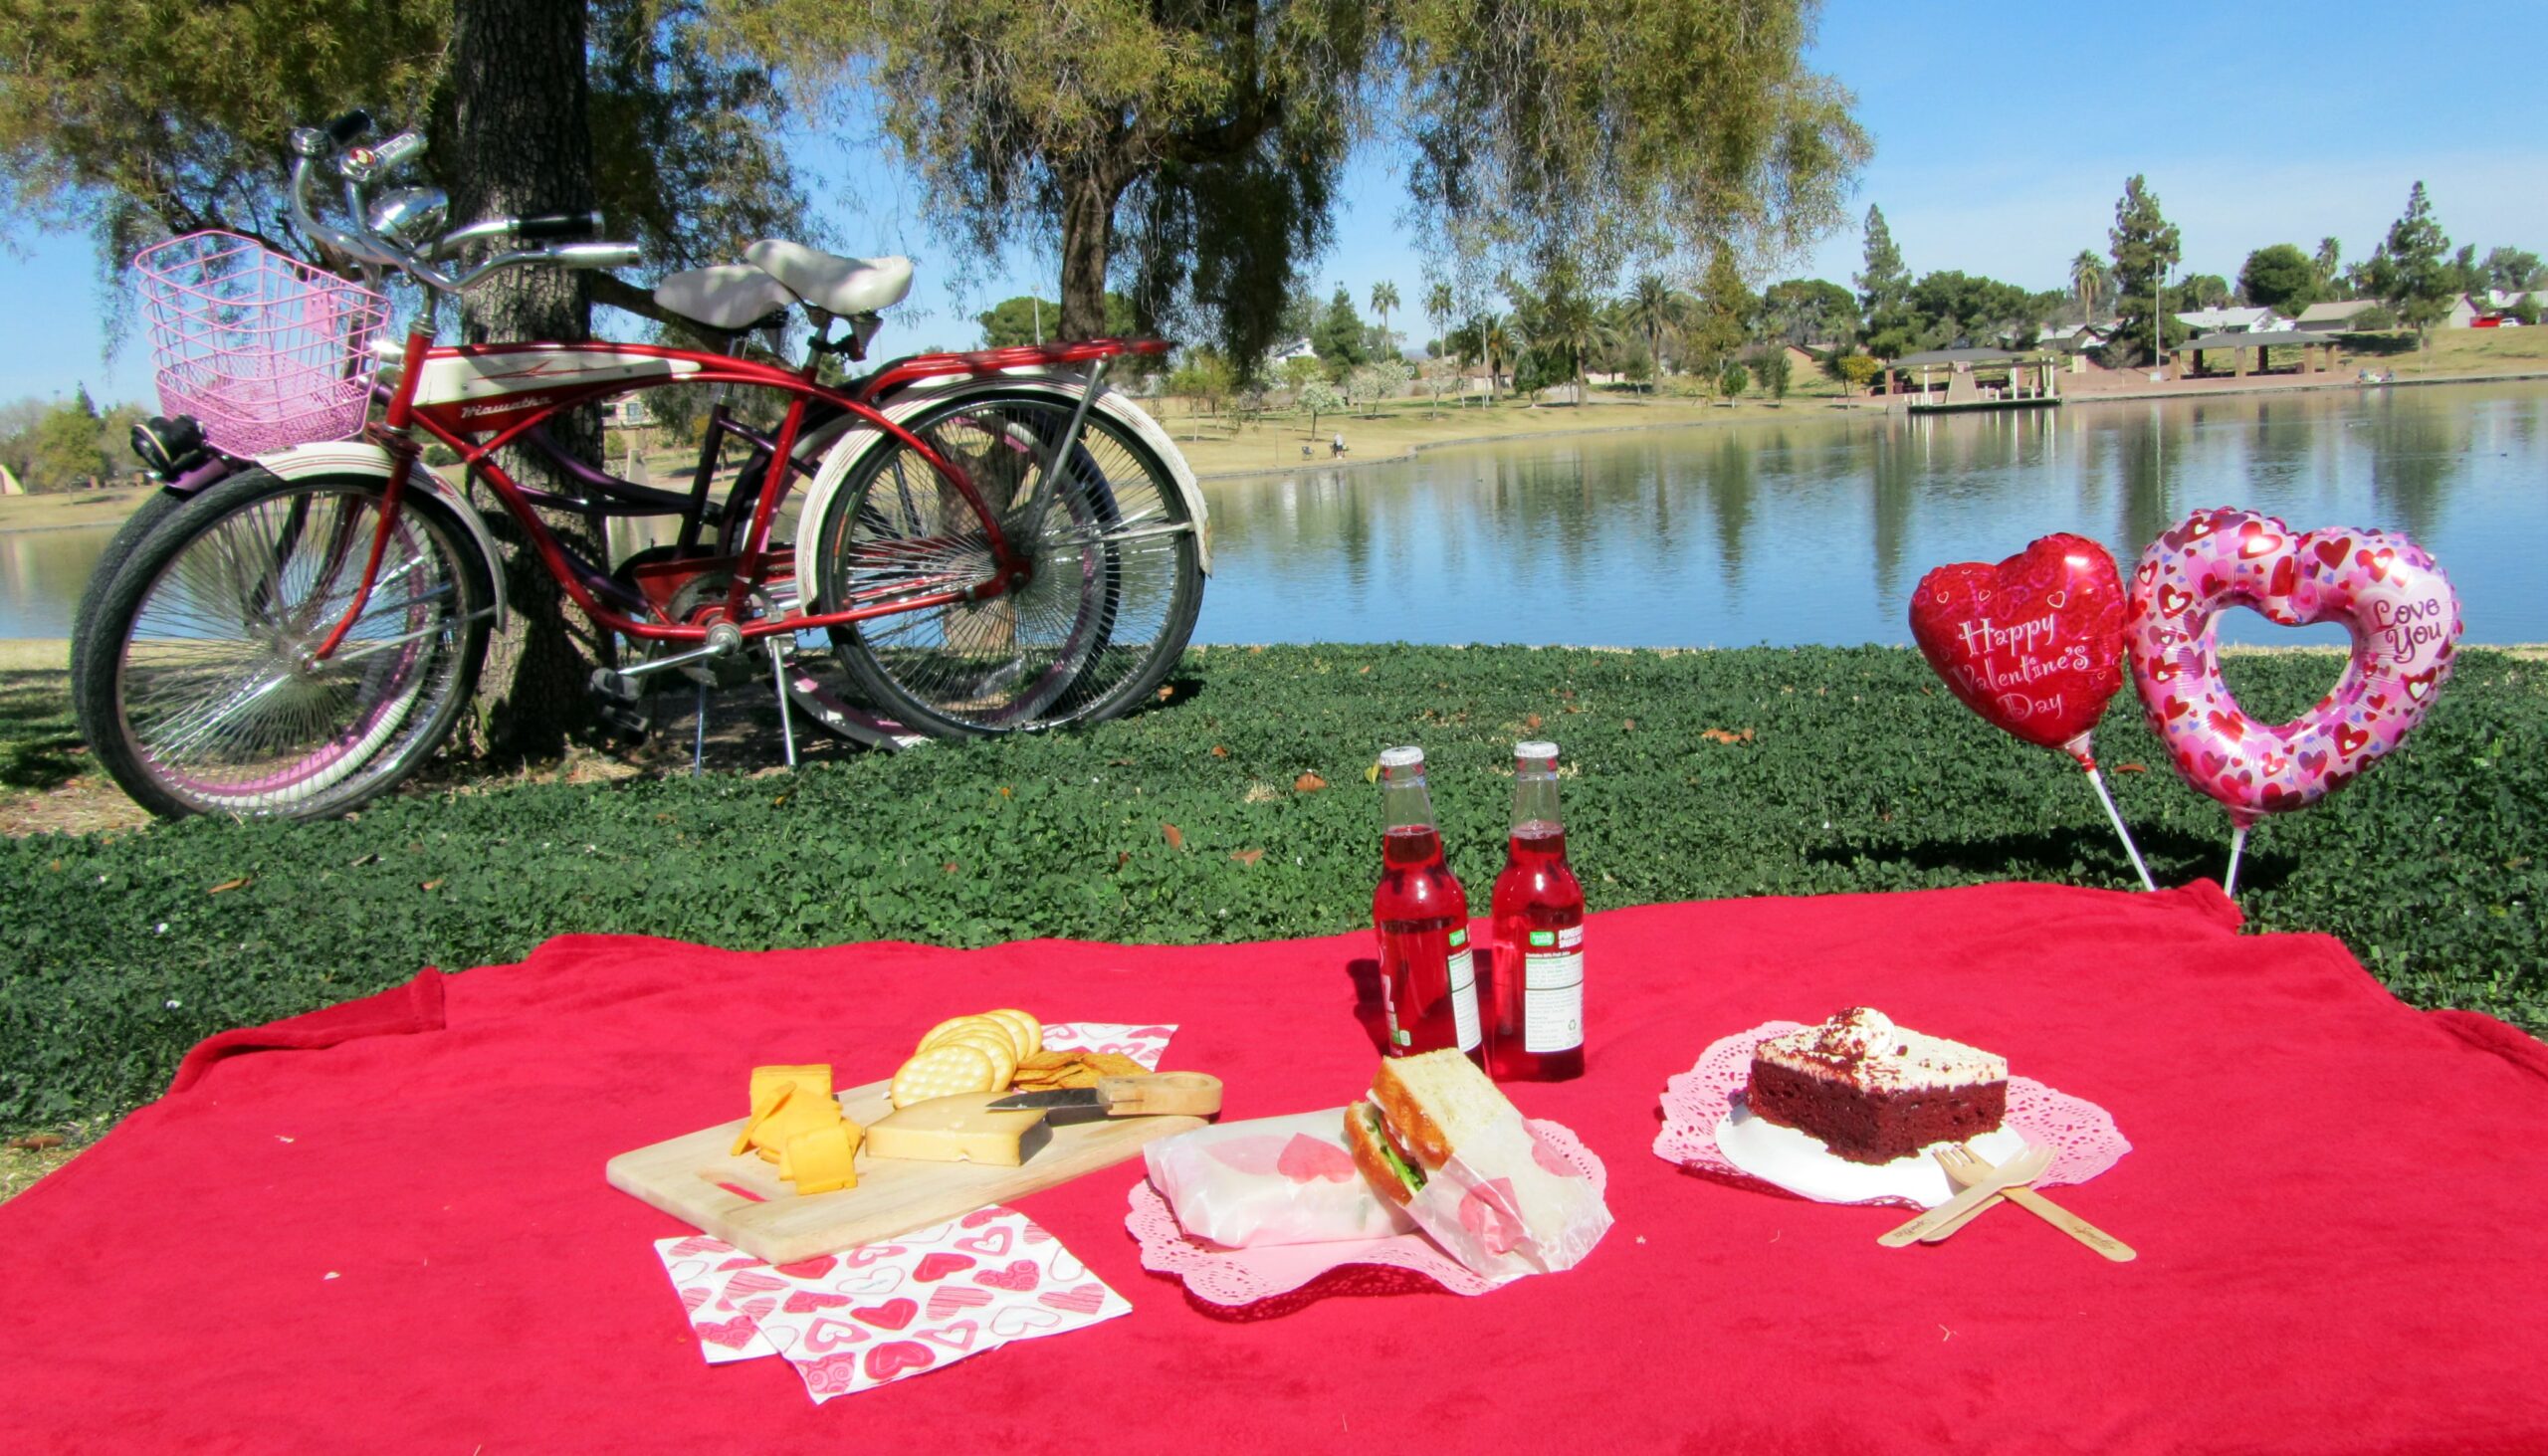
x=139 y=119
x=1319 y=397
x=1722 y=320
x=67 y=444
x=2514 y=269
x=1771 y=368
x=1808 y=311
x=1339 y=336
x=1855 y=371
x=2145 y=246
x=2202 y=291
x=1025 y=318
x=1851 y=769
x=2088 y=283
x=2281 y=278
x=1949 y=308
x=1885 y=294
x=2411 y=270
x=1733 y=379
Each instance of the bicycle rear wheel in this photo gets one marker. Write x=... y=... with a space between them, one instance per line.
x=1116 y=583
x=195 y=687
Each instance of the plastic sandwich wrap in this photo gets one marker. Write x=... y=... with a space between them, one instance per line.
x=1272 y=1180
x=1543 y=1216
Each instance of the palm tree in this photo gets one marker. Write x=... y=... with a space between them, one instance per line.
x=2329 y=261
x=2089 y=279
x=1651 y=310
x=1384 y=302
x=1438 y=306
x=1495 y=342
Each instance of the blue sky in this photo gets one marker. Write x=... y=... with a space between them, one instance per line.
x=2003 y=135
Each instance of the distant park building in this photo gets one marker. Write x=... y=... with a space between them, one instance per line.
x=2332 y=317
x=2302 y=353
x=2233 y=321
x=1974 y=378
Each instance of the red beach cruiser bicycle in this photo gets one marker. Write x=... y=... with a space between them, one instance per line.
x=990 y=542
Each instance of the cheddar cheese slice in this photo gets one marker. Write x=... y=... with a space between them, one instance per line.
x=803 y=1104
x=822 y=1160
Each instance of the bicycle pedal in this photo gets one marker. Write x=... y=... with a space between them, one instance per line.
x=626 y=721
x=616 y=687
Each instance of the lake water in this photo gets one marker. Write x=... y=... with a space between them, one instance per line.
x=1804 y=531
x=1814 y=531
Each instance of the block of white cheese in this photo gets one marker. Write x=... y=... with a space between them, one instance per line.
x=959 y=1128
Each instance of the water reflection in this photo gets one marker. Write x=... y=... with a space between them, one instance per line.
x=1807 y=529
x=1815 y=528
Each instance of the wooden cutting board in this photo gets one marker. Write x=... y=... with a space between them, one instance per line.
x=741 y=1199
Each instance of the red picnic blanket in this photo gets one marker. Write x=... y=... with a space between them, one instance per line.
x=390 y=1231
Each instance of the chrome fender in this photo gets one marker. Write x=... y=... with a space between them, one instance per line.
x=847 y=441
x=353 y=457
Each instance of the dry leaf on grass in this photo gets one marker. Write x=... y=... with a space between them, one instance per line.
x=1174 y=836
x=1720 y=736
x=2132 y=769
x=226 y=885
x=1308 y=783
x=1247 y=856
x=1221 y=753
x=433 y=884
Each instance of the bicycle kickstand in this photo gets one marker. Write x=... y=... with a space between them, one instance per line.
x=778 y=680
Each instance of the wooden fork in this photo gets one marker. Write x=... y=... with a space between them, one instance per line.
x=1963 y=1168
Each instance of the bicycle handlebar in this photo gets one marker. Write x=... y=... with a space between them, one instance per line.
x=358 y=241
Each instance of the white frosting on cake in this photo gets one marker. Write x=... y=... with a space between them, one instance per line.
x=1863 y=1047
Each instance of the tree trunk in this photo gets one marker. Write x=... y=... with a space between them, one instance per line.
x=1088 y=238
x=519 y=141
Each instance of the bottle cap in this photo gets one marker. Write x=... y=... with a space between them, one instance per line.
x=1535 y=750
x=1406 y=758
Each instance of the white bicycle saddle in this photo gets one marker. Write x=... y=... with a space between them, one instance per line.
x=829 y=281
x=732 y=296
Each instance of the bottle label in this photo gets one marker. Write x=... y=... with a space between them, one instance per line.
x=1463 y=967
x=1553 y=991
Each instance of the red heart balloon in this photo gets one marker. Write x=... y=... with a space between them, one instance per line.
x=2035 y=644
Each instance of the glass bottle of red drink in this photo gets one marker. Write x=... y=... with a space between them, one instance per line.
x=1429 y=981
x=1535 y=983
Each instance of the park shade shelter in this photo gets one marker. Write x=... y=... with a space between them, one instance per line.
x=2317 y=352
x=2031 y=374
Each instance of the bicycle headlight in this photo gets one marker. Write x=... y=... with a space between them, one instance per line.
x=170 y=448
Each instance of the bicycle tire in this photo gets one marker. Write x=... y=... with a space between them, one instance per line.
x=136 y=529
x=192 y=689
x=1117 y=580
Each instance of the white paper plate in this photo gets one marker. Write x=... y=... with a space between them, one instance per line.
x=1802 y=1164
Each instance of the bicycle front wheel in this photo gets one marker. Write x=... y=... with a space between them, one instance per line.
x=196 y=685
x=1117 y=578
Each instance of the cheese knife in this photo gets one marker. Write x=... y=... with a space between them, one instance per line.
x=1193 y=1093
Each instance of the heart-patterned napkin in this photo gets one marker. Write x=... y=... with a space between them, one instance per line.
x=878 y=1313
x=882 y=1311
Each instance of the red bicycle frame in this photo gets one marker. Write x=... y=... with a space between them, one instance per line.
x=477 y=430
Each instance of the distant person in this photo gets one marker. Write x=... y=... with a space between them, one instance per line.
x=1336 y=445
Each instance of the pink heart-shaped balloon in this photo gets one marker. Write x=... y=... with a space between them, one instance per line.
x=2391 y=596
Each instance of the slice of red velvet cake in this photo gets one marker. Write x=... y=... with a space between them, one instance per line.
x=1873 y=1091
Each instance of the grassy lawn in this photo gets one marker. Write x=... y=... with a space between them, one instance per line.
x=1240 y=809
x=2471 y=351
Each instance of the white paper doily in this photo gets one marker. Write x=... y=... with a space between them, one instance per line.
x=2082 y=1135
x=1244 y=1276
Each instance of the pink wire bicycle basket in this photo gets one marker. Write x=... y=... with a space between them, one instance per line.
x=263 y=351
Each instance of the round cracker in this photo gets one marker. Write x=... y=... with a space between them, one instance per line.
x=993 y=1045
x=1029 y=1032
x=953 y=1024
x=943 y=1071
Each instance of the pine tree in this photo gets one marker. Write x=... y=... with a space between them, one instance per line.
x=1884 y=291
x=2145 y=246
x=2417 y=278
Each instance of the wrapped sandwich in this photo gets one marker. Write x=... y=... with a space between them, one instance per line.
x=1440 y=1141
x=1271 y=1180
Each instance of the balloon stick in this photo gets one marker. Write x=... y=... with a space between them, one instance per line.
x=2124 y=834
x=2238 y=842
